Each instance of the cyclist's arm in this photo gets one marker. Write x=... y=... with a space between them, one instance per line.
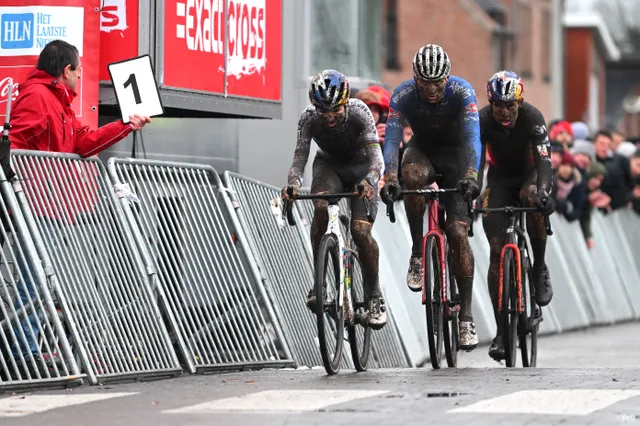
x=303 y=146
x=394 y=130
x=371 y=144
x=540 y=147
x=471 y=131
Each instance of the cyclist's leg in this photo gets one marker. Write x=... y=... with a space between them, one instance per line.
x=369 y=257
x=538 y=237
x=325 y=180
x=499 y=193
x=416 y=169
x=457 y=227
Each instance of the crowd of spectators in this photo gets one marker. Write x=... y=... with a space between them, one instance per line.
x=599 y=170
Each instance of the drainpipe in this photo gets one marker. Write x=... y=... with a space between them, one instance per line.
x=557 y=59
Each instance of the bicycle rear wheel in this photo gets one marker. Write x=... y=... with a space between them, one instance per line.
x=450 y=327
x=329 y=313
x=432 y=298
x=359 y=336
x=529 y=319
x=509 y=314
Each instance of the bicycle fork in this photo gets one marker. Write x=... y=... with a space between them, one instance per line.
x=344 y=297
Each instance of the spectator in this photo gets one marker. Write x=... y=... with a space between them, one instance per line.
x=379 y=109
x=616 y=139
x=580 y=130
x=618 y=183
x=562 y=132
x=595 y=198
x=569 y=190
x=584 y=155
x=42 y=119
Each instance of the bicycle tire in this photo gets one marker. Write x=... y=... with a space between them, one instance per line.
x=509 y=314
x=528 y=331
x=360 y=358
x=450 y=328
x=433 y=299
x=328 y=251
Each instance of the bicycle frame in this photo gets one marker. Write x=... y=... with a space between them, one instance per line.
x=333 y=227
x=515 y=240
x=434 y=228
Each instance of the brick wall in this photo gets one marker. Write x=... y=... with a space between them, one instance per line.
x=465 y=31
x=459 y=26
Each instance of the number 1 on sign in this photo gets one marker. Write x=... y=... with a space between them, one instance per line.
x=134 y=86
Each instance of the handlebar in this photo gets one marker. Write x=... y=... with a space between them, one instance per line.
x=509 y=210
x=288 y=205
x=426 y=192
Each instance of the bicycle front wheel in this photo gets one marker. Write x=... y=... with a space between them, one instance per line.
x=450 y=326
x=529 y=319
x=359 y=337
x=509 y=314
x=432 y=298
x=329 y=313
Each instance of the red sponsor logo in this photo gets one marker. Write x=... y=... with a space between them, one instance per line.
x=4 y=89
x=393 y=113
x=472 y=108
x=195 y=40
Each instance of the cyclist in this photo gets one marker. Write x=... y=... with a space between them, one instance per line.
x=349 y=154
x=514 y=134
x=442 y=112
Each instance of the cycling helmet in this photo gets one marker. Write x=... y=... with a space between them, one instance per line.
x=505 y=86
x=329 y=90
x=431 y=62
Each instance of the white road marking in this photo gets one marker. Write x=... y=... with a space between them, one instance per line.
x=17 y=406
x=279 y=401
x=576 y=402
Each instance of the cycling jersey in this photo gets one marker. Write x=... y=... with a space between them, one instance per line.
x=514 y=152
x=451 y=125
x=351 y=142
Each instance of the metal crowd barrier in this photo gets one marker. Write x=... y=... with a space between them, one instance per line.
x=215 y=302
x=34 y=347
x=217 y=305
x=107 y=299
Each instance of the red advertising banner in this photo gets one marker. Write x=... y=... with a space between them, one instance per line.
x=28 y=25
x=194 y=40
x=118 y=33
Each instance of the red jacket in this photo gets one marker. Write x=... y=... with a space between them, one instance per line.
x=42 y=120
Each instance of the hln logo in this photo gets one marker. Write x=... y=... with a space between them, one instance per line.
x=17 y=30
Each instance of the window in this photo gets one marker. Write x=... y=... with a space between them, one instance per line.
x=523 y=27
x=346 y=35
x=391 y=36
x=545 y=51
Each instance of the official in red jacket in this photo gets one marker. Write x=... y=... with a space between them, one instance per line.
x=42 y=118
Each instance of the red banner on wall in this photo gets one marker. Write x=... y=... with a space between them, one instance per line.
x=118 y=33
x=194 y=38
x=27 y=26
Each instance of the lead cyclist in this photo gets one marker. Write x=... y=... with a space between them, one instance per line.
x=441 y=110
x=348 y=154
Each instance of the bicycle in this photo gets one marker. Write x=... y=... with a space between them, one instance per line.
x=519 y=315
x=346 y=311
x=444 y=305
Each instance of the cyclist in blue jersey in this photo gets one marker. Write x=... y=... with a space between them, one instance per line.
x=441 y=110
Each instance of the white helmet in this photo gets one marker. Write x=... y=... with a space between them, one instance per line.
x=431 y=62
